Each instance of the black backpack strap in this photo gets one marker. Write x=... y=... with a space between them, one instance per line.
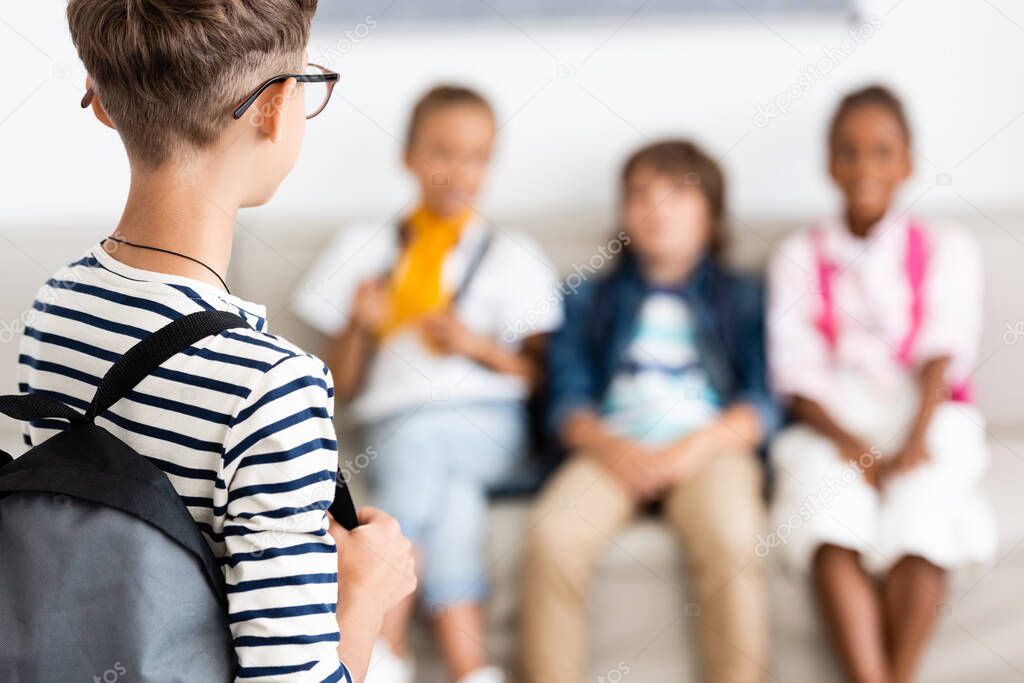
x=164 y=344
x=134 y=366
x=127 y=372
x=474 y=266
x=137 y=364
x=32 y=407
x=155 y=350
x=471 y=271
x=343 y=509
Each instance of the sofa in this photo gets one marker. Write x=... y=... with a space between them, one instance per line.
x=643 y=622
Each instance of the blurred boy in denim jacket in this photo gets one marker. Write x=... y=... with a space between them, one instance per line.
x=658 y=387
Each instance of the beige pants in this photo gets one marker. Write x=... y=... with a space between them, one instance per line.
x=718 y=514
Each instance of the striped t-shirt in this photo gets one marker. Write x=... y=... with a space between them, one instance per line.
x=242 y=425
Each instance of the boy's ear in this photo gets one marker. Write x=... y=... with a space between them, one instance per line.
x=97 y=107
x=271 y=108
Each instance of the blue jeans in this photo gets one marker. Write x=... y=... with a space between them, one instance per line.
x=433 y=469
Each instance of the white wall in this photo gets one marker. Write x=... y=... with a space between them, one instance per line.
x=959 y=63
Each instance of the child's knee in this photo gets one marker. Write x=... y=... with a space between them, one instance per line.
x=829 y=556
x=800 y=445
x=561 y=543
x=731 y=545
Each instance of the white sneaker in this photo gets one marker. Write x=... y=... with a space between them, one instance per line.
x=387 y=667
x=488 y=674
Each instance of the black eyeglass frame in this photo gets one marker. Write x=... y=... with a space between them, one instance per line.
x=329 y=77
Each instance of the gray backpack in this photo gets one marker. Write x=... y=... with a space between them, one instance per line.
x=104 y=575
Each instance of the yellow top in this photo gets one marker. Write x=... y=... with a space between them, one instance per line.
x=416 y=288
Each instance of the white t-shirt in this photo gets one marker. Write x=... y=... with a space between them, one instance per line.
x=513 y=295
x=660 y=391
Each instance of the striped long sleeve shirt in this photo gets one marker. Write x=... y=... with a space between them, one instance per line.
x=241 y=424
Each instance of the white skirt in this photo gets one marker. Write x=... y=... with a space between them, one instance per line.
x=936 y=511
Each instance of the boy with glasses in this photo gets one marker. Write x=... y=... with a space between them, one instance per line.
x=210 y=100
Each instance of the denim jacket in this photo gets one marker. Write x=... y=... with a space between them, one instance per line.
x=600 y=319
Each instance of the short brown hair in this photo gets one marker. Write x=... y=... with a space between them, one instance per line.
x=169 y=72
x=871 y=96
x=690 y=165
x=439 y=98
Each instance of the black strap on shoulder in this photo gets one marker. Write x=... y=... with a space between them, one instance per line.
x=471 y=271
x=127 y=372
x=134 y=366
x=32 y=407
x=474 y=267
x=155 y=350
x=161 y=346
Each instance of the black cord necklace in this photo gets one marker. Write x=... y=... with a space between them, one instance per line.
x=171 y=253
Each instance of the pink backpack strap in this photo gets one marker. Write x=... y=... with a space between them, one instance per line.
x=917 y=270
x=826 y=272
x=916 y=267
x=963 y=392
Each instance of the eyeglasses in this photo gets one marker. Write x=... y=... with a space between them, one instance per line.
x=317 y=86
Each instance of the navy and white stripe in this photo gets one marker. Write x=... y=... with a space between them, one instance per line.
x=242 y=425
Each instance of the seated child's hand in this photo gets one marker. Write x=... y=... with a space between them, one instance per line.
x=865 y=458
x=874 y=474
x=642 y=472
x=371 y=306
x=445 y=333
x=375 y=561
x=685 y=457
x=912 y=455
